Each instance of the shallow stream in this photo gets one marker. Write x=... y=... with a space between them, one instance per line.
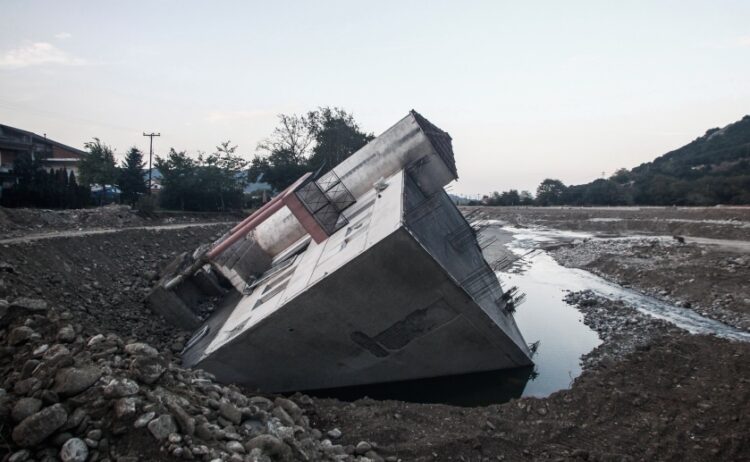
x=558 y=327
x=543 y=317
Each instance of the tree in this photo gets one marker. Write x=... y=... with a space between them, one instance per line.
x=279 y=169
x=510 y=197
x=36 y=187
x=98 y=166
x=550 y=192
x=178 y=178
x=77 y=196
x=212 y=182
x=132 y=182
x=526 y=198
x=223 y=174
x=337 y=136
x=320 y=139
x=292 y=135
x=621 y=175
x=605 y=192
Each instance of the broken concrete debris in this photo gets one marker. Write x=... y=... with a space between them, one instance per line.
x=365 y=274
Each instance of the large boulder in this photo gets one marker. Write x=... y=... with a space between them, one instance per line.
x=270 y=445
x=37 y=427
x=19 y=335
x=74 y=380
x=148 y=369
x=230 y=412
x=162 y=426
x=141 y=349
x=21 y=307
x=25 y=407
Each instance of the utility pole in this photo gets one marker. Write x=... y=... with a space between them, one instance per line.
x=150 y=155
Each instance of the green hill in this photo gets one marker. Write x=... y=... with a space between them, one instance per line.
x=712 y=169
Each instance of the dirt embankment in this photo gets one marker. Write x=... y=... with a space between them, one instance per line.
x=103 y=278
x=21 y=222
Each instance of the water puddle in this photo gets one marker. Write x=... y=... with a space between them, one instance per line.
x=559 y=328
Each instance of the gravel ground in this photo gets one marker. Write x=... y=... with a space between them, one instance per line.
x=622 y=329
x=705 y=278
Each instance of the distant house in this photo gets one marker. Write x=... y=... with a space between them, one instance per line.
x=258 y=186
x=55 y=155
x=105 y=195
x=156 y=180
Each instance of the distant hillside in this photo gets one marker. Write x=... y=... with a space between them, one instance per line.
x=713 y=169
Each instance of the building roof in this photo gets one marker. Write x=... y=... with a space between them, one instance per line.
x=36 y=139
x=440 y=140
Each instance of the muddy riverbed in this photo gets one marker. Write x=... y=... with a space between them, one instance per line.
x=631 y=363
x=626 y=370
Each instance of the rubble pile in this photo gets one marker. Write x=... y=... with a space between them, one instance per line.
x=69 y=397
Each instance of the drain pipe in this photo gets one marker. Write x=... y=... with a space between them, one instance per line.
x=255 y=219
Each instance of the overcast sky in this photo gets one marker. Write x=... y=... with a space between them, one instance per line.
x=528 y=90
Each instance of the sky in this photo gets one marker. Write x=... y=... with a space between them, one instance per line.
x=528 y=90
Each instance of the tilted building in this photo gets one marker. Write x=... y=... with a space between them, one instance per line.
x=368 y=274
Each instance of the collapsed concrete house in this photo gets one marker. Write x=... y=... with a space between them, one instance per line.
x=367 y=274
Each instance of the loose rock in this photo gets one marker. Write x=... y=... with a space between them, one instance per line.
x=74 y=450
x=72 y=381
x=25 y=407
x=162 y=426
x=34 y=429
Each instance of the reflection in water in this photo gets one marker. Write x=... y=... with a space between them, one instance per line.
x=477 y=389
x=544 y=317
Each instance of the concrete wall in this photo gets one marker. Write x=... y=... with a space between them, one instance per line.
x=441 y=228
x=372 y=218
x=418 y=322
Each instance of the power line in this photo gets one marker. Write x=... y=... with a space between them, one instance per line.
x=150 y=155
x=61 y=115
